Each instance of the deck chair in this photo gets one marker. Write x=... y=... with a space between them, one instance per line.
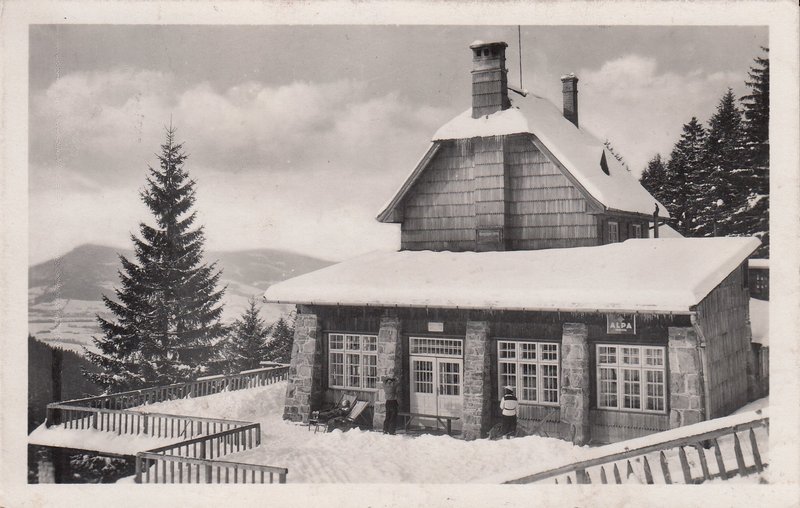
x=346 y=423
x=316 y=421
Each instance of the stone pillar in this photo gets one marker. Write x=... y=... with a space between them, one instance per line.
x=685 y=381
x=390 y=363
x=575 y=384
x=304 y=388
x=476 y=417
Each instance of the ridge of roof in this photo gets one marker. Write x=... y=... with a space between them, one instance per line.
x=578 y=152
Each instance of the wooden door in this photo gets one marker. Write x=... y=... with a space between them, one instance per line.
x=437 y=388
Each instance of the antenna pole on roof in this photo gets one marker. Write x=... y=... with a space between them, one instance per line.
x=519 y=42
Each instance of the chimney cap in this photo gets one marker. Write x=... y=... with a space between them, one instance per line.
x=481 y=44
x=569 y=77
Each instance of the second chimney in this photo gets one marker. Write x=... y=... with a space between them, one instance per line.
x=489 y=81
x=569 y=87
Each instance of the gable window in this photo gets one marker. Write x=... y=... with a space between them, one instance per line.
x=631 y=378
x=531 y=368
x=352 y=361
x=613 y=231
x=636 y=230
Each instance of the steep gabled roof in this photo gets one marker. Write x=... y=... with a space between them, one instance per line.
x=576 y=152
x=639 y=275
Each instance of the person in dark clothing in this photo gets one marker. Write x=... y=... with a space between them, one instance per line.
x=342 y=410
x=390 y=390
x=508 y=405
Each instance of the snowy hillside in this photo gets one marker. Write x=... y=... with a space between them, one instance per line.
x=64 y=294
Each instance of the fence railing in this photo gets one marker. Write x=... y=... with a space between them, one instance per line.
x=717 y=435
x=197 y=388
x=203 y=440
x=199 y=459
x=120 y=421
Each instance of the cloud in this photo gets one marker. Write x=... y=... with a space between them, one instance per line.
x=641 y=109
x=280 y=166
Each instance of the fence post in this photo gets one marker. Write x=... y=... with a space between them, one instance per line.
x=138 y=468
x=53 y=416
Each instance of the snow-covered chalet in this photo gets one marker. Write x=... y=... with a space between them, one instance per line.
x=526 y=261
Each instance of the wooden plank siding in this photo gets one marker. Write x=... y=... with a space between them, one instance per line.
x=723 y=318
x=501 y=182
x=613 y=426
x=545 y=209
x=440 y=209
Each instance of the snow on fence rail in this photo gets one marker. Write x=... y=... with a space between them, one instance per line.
x=121 y=422
x=180 y=462
x=197 y=388
x=698 y=438
x=208 y=438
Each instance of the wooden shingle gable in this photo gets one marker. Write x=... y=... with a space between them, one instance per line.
x=393 y=211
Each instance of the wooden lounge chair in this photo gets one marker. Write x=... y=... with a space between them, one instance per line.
x=346 y=423
x=314 y=419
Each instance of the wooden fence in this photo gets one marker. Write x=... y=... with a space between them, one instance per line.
x=633 y=462
x=199 y=459
x=198 y=388
x=204 y=440
x=128 y=422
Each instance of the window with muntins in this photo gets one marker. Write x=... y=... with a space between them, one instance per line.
x=636 y=230
x=352 y=361
x=532 y=368
x=631 y=378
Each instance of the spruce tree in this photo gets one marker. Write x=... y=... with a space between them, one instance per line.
x=246 y=343
x=685 y=160
x=279 y=347
x=654 y=177
x=719 y=187
x=166 y=315
x=754 y=218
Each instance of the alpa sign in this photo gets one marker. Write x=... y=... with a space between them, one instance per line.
x=621 y=324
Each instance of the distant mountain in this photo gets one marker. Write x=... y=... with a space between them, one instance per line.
x=64 y=294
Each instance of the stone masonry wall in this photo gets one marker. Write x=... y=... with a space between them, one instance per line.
x=685 y=381
x=390 y=363
x=477 y=381
x=304 y=388
x=575 y=381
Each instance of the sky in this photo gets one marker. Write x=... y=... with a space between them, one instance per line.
x=297 y=135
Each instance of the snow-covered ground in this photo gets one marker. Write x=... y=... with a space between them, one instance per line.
x=371 y=457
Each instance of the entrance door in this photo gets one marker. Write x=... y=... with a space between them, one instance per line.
x=437 y=381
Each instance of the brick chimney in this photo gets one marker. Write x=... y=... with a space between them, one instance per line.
x=489 y=82
x=569 y=87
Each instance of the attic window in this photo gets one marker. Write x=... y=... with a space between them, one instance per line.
x=604 y=164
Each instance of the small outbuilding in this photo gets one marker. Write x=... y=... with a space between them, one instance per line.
x=525 y=262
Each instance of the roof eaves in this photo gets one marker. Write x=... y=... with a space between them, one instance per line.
x=388 y=214
x=577 y=310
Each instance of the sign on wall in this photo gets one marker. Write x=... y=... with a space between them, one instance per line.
x=435 y=326
x=621 y=324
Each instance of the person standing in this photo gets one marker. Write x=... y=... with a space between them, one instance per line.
x=508 y=405
x=390 y=391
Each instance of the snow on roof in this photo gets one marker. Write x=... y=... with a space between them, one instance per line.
x=638 y=275
x=759 y=321
x=758 y=263
x=579 y=151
